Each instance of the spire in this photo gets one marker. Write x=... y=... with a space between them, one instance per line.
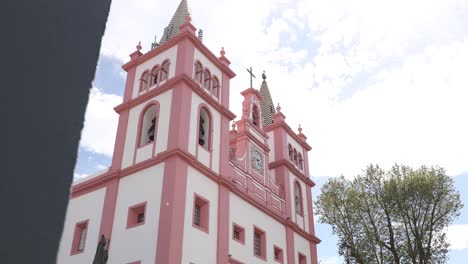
x=177 y=20
x=268 y=108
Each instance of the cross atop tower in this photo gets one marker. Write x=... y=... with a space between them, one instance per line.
x=251 y=75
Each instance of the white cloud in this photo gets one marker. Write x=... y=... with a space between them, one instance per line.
x=101 y=120
x=79 y=176
x=101 y=167
x=329 y=260
x=371 y=81
x=413 y=114
x=457 y=237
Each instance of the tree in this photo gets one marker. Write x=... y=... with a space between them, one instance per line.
x=397 y=216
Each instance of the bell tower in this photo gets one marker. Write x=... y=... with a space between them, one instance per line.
x=182 y=187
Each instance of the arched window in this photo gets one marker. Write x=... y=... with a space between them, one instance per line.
x=165 y=71
x=215 y=88
x=148 y=126
x=291 y=155
x=144 y=81
x=295 y=157
x=300 y=161
x=204 y=128
x=206 y=79
x=198 y=72
x=255 y=115
x=298 y=198
x=155 y=75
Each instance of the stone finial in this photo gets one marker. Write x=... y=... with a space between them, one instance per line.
x=222 y=52
x=263 y=75
x=278 y=108
x=188 y=19
x=233 y=126
x=300 y=129
x=138 y=47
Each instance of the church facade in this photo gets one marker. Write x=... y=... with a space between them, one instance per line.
x=189 y=182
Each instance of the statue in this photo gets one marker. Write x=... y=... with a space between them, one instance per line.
x=101 y=251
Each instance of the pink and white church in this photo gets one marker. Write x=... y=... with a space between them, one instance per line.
x=189 y=182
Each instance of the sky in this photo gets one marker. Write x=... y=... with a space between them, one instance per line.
x=369 y=81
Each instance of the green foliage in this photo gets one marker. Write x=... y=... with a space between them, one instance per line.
x=398 y=216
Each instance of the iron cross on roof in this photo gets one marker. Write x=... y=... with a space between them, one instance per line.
x=251 y=75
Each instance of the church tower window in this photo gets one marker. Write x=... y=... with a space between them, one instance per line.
x=291 y=155
x=206 y=79
x=144 y=81
x=295 y=157
x=300 y=161
x=148 y=126
x=255 y=115
x=298 y=198
x=155 y=75
x=165 y=71
x=204 y=128
x=215 y=88
x=198 y=72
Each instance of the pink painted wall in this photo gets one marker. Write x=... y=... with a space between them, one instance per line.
x=167 y=176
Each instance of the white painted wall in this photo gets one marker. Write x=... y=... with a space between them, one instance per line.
x=246 y=215
x=88 y=206
x=138 y=243
x=203 y=156
x=303 y=224
x=170 y=54
x=216 y=130
x=164 y=100
x=301 y=245
x=271 y=145
x=144 y=153
x=198 y=246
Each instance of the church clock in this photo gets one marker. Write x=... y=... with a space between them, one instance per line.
x=257 y=160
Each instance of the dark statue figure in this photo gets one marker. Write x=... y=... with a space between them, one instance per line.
x=151 y=130
x=201 y=141
x=101 y=251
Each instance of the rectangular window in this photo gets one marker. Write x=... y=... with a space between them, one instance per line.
x=259 y=243
x=238 y=233
x=201 y=208
x=196 y=215
x=278 y=254
x=79 y=237
x=136 y=215
x=141 y=218
x=82 y=238
x=302 y=259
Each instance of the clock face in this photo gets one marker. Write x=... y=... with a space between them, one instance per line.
x=257 y=160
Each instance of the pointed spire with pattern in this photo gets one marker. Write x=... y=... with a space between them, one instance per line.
x=268 y=108
x=177 y=20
